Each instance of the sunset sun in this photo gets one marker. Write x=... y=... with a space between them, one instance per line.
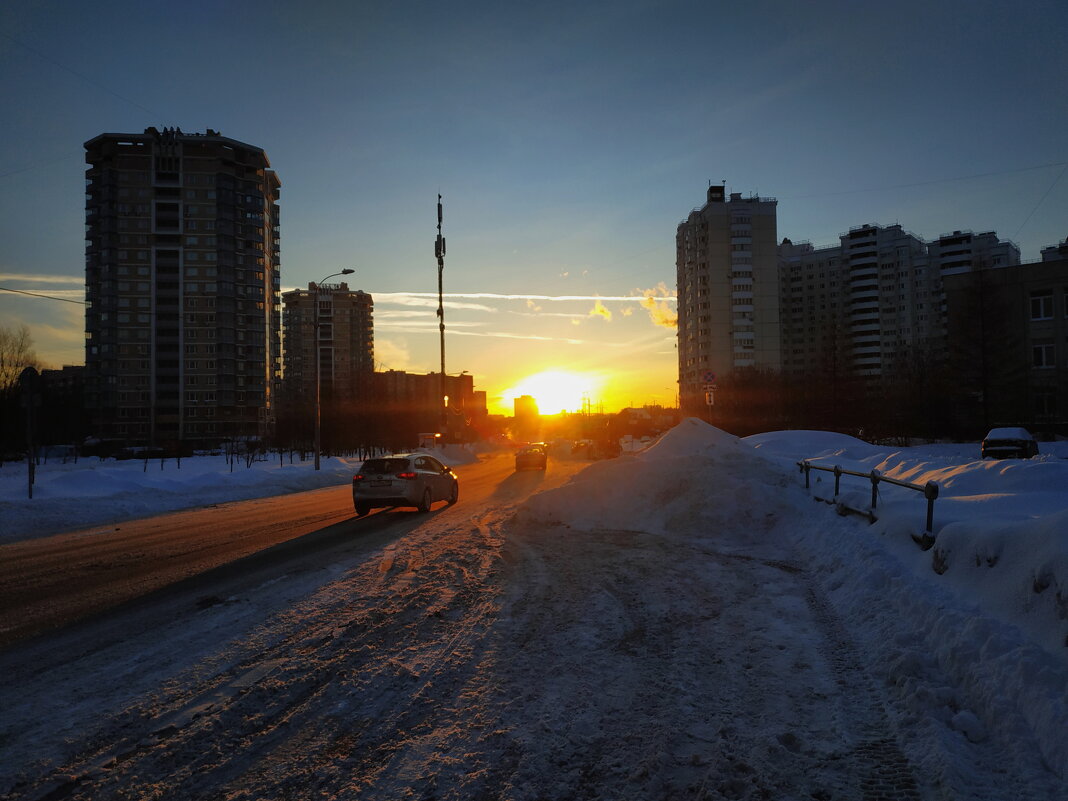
x=554 y=390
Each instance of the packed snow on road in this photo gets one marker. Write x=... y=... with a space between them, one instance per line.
x=684 y=622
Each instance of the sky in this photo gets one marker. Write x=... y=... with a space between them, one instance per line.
x=567 y=140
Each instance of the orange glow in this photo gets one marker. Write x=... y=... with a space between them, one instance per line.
x=555 y=390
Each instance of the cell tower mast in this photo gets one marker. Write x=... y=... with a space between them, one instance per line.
x=439 y=252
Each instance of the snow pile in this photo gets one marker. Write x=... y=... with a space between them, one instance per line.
x=666 y=486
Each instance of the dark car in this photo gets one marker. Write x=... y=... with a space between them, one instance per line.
x=403 y=479
x=1009 y=443
x=531 y=457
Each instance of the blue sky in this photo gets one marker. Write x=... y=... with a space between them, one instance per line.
x=568 y=141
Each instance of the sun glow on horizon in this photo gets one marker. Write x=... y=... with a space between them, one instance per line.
x=555 y=390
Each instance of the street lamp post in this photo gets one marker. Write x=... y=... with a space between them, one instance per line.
x=318 y=366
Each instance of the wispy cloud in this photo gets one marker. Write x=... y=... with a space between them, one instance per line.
x=428 y=300
x=661 y=294
x=566 y=315
x=30 y=278
x=421 y=324
x=402 y=329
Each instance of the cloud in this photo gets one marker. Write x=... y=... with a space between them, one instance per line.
x=428 y=300
x=415 y=325
x=43 y=279
x=392 y=354
x=654 y=301
x=600 y=310
x=660 y=293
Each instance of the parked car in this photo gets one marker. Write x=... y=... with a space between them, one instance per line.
x=1009 y=443
x=403 y=479
x=532 y=457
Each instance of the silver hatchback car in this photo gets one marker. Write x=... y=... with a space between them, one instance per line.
x=403 y=479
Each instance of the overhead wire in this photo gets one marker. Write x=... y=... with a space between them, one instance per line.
x=39 y=295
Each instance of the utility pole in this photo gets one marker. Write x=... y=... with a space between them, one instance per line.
x=439 y=252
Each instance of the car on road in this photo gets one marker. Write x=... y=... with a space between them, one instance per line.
x=532 y=457
x=403 y=479
x=1009 y=443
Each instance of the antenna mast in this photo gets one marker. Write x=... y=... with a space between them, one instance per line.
x=439 y=252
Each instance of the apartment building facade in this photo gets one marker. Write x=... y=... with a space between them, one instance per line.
x=872 y=304
x=339 y=323
x=182 y=277
x=1010 y=332
x=728 y=291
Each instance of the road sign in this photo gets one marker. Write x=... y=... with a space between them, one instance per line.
x=709 y=377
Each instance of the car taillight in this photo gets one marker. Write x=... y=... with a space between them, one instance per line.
x=357 y=477
x=407 y=476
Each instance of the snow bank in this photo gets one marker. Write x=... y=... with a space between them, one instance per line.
x=694 y=475
x=987 y=607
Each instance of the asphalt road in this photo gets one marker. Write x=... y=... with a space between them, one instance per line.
x=48 y=583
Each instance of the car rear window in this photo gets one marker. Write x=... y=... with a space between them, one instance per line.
x=384 y=466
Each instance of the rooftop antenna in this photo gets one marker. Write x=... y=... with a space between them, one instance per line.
x=439 y=252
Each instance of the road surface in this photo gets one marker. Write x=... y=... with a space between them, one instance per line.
x=49 y=582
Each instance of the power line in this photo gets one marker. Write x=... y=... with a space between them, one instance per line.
x=40 y=164
x=1041 y=201
x=38 y=295
x=77 y=74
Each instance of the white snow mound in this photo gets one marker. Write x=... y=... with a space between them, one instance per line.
x=695 y=475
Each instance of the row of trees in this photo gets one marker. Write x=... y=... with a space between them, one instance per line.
x=16 y=354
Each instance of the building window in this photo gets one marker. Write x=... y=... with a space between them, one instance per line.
x=1045 y=403
x=1042 y=305
x=1042 y=355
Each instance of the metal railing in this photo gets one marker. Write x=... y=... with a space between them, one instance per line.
x=929 y=490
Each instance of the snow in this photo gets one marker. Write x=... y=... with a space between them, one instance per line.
x=687 y=599
x=1009 y=433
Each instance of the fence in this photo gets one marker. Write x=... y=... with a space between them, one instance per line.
x=929 y=490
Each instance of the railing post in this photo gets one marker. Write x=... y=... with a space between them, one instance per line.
x=806 y=469
x=874 y=487
x=837 y=479
x=930 y=492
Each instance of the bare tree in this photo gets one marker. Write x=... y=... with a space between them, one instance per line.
x=16 y=354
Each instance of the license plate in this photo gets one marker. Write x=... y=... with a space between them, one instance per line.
x=381 y=483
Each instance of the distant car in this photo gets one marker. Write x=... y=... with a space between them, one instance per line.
x=1009 y=443
x=531 y=457
x=403 y=479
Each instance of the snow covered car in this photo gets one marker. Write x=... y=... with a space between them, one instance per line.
x=1009 y=443
x=531 y=457
x=403 y=479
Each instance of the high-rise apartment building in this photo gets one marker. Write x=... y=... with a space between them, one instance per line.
x=345 y=320
x=892 y=297
x=813 y=291
x=182 y=280
x=874 y=302
x=728 y=290
x=963 y=251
